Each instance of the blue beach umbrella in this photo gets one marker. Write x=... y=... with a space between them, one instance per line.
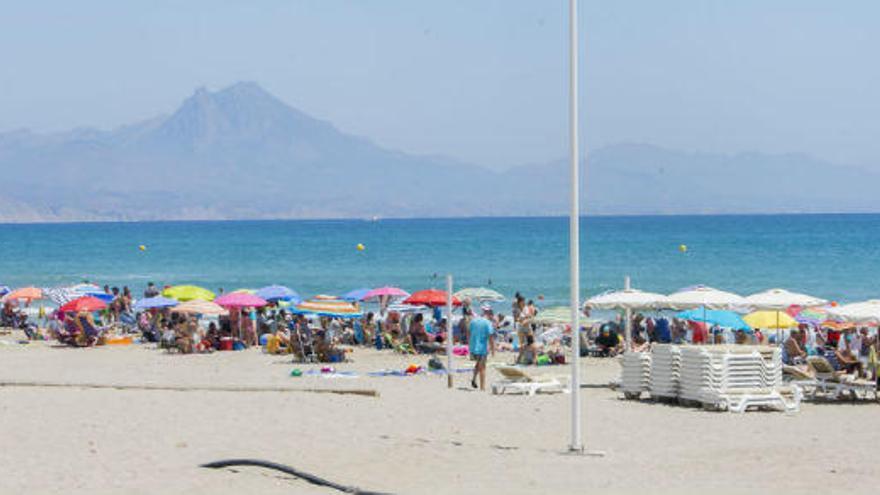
x=355 y=295
x=4 y=290
x=154 y=302
x=103 y=296
x=725 y=319
x=274 y=293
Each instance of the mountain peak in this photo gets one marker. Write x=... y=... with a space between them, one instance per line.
x=242 y=112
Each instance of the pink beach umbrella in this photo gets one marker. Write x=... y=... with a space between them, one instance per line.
x=240 y=300
x=385 y=295
x=385 y=292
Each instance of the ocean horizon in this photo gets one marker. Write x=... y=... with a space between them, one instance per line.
x=828 y=255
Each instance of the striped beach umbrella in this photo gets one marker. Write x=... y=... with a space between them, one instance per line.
x=480 y=294
x=200 y=307
x=334 y=308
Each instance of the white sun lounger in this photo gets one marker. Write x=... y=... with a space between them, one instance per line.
x=836 y=383
x=518 y=380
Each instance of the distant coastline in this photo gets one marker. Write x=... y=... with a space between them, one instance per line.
x=438 y=218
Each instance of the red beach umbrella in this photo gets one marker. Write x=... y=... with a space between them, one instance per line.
x=85 y=303
x=430 y=297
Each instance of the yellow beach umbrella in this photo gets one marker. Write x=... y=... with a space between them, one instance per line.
x=770 y=319
x=188 y=292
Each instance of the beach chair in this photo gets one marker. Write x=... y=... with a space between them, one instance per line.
x=69 y=334
x=786 y=399
x=805 y=379
x=303 y=347
x=839 y=382
x=390 y=343
x=518 y=380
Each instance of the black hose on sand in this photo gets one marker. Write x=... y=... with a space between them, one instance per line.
x=311 y=478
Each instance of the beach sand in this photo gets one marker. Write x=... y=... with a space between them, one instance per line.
x=417 y=436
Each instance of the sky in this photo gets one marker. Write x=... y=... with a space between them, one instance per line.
x=483 y=81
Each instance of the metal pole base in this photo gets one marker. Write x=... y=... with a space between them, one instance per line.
x=582 y=452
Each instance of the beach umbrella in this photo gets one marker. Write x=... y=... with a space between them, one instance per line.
x=867 y=312
x=28 y=293
x=4 y=289
x=107 y=298
x=339 y=309
x=837 y=325
x=559 y=315
x=481 y=294
x=706 y=297
x=80 y=290
x=154 y=302
x=274 y=293
x=627 y=299
x=185 y=293
x=355 y=295
x=86 y=289
x=325 y=297
x=722 y=318
x=782 y=299
x=553 y=315
x=770 y=319
x=813 y=316
x=201 y=307
x=244 y=291
x=60 y=295
x=385 y=292
x=240 y=300
x=404 y=308
x=84 y=303
x=430 y=297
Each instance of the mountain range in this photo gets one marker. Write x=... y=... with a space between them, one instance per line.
x=241 y=153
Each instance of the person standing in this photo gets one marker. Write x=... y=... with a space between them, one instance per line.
x=151 y=291
x=480 y=343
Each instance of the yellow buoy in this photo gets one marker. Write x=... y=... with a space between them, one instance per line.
x=683 y=248
x=361 y=247
x=142 y=247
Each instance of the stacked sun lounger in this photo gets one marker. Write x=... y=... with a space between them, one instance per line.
x=665 y=363
x=735 y=378
x=635 y=377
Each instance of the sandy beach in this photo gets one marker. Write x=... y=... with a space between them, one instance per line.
x=416 y=436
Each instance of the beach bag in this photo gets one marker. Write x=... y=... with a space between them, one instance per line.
x=543 y=360
x=435 y=364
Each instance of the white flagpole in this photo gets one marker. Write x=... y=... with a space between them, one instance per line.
x=449 y=331
x=574 y=231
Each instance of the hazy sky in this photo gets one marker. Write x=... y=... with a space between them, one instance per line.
x=483 y=81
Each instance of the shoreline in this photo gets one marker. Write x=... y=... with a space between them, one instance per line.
x=583 y=216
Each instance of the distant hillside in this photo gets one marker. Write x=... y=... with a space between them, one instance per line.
x=242 y=153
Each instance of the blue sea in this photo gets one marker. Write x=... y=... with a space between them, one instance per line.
x=833 y=256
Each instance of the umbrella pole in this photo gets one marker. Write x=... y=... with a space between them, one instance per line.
x=627 y=332
x=449 y=331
